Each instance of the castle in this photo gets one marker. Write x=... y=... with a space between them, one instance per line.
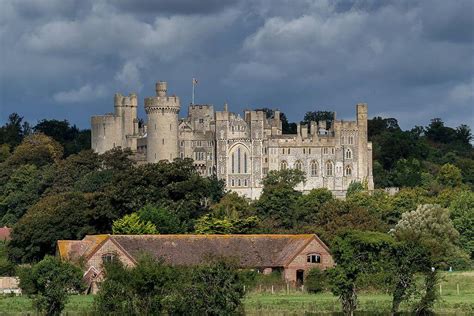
x=241 y=150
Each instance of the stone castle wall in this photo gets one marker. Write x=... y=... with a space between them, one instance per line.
x=241 y=150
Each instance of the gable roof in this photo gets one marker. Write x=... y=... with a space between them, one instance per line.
x=247 y=250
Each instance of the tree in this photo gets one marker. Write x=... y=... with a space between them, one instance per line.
x=429 y=227
x=315 y=281
x=407 y=173
x=308 y=205
x=463 y=134
x=288 y=177
x=132 y=225
x=49 y=282
x=354 y=187
x=355 y=253
x=62 y=216
x=36 y=149
x=437 y=132
x=12 y=132
x=164 y=219
x=70 y=137
x=215 y=288
x=231 y=205
x=140 y=290
x=449 y=176
x=462 y=215
x=212 y=225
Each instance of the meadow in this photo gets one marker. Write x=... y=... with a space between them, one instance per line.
x=263 y=302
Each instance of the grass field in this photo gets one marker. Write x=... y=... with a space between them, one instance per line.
x=297 y=303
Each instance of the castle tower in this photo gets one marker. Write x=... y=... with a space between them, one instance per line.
x=361 y=111
x=162 y=127
x=126 y=110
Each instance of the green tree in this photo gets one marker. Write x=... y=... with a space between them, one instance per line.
x=231 y=205
x=215 y=288
x=429 y=227
x=12 y=132
x=462 y=215
x=355 y=253
x=49 y=282
x=288 y=177
x=407 y=173
x=140 y=290
x=132 y=225
x=164 y=219
x=449 y=176
x=354 y=187
x=315 y=281
x=308 y=205
x=70 y=137
x=36 y=149
x=211 y=225
x=62 y=216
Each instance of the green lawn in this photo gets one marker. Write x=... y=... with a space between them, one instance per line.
x=297 y=303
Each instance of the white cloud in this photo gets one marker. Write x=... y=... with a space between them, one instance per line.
x=83 y=94
x=129 y=76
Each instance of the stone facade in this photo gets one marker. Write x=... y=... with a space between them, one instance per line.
x=240 y=149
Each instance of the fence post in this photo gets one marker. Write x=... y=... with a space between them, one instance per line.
x=440 y=289
x=244 y=288
x=457 y=288
x=287 y=288
x=302 y=288
x=272 y=290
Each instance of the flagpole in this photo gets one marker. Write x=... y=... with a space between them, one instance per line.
x=192 y=102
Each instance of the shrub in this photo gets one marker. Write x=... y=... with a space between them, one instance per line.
x=315 y=281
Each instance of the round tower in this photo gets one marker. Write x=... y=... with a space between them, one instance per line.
x=162 y=127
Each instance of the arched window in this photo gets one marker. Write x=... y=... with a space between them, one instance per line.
x=298 y=165
x=313 y=258
x=108 y=257
x=314 y=168
x=351 y=140
x=348 y=171
x=283 y=165
x=329 y=169
x=348 y=153
x=239 y=160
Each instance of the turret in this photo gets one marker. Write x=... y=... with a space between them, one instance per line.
x=162 y=128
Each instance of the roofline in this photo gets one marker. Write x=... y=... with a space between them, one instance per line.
x=315 y=237
x=220 y=235
x=109 y=237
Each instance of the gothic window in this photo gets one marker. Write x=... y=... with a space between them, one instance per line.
x=348 y=171
x=181 y=155
x=182 y=143
x=329 y=169
x=239 y=183
x=348 y=153
x=304 y=151
x=314 y=168
x=343 y=139
x=288 y=151
x=283 y=165
x=233 y=183
x=298 y=165
x=325 y=150
x=351 y=140
x=333 y=150
x=240 y=160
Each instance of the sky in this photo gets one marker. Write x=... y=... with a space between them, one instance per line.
x=412 y=60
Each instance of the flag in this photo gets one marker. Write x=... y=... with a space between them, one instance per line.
x=195 y=81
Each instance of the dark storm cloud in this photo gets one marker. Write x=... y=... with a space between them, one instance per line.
x=409 y=59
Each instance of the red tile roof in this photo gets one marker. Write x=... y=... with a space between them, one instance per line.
x=5 y=233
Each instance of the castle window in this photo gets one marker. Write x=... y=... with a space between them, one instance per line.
x=201 y=121
x=265 y=171
x=351 y=140
x=288 y=151
x=181 y=155
x=325 y=150
x=309 y=151
x=239 y=183
x=314 y=168
x=348 y=171
x=170 y=127
x=333 y=150
x=182 y=143
x=304 y=151
x=313 y=258
x=163 y=141
x=343 y=139
x=329 y=169
x=298 y=165
x=233 y=183
x=283 y=165
x=348 y=153
x=245 y=182
x=239 y=160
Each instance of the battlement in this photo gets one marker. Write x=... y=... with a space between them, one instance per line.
x=165 y=101
x=103 y=119
x=125 y=101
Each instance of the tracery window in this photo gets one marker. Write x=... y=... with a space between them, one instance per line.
x=239 y=160
x=298 y=165
x=314 y=168
x=283 y=165
x=351 y=140
x=348 y=171
x=348 y=153
x=329 y=169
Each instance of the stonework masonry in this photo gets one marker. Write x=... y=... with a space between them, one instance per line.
x=241 y=150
